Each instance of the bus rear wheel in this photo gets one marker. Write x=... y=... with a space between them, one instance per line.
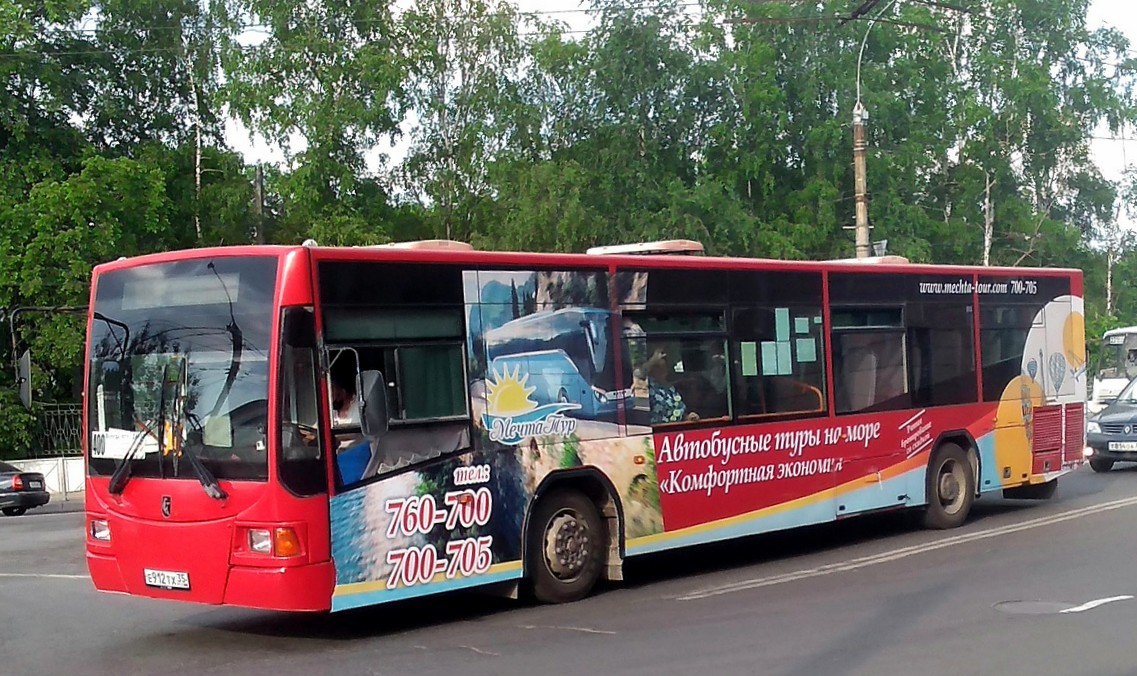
x=950 y=488
x=567 y=540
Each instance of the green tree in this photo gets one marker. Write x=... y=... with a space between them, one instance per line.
x=324 y=84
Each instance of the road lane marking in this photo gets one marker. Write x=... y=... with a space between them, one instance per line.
x=586 y=630
x=905 y=552
x=52 y=576
x=1094 y=604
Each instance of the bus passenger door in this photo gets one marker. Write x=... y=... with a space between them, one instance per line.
x=870 y=373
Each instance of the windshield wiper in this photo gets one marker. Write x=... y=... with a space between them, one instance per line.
x=122 y=470
x=208 y=481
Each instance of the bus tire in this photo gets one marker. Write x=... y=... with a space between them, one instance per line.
x=567 y=541
x=950 y=488
x=1101 y=464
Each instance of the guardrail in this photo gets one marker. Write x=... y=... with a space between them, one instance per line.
x=58 y=431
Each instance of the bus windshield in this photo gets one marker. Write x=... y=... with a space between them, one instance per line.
x=1118 y=356
x=202 y=326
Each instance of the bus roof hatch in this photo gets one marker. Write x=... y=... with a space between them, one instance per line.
x=675 y=247
x=440 y=244
x=873 y=260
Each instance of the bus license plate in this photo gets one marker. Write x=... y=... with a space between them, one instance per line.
x=1123 y=445
x=166 y=579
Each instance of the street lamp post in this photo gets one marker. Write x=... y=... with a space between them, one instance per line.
x=860 y=187
x=863 y=243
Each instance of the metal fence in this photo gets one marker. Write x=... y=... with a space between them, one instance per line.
x=58 y=430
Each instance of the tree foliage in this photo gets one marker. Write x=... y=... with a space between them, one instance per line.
x=726 y=121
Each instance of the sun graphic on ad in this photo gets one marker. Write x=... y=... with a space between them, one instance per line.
x=508 y=393
x=512 y=415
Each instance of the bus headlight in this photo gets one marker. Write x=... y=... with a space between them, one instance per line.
x=260 y=540
x=1093 y=428
x=100 y=530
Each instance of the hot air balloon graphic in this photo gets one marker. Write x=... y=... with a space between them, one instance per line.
x=1057 y=366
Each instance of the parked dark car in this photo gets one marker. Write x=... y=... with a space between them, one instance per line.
x=1112 y=434
x=20 y=491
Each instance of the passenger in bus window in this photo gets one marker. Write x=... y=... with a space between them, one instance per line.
x=345 y=405
x=717 y=371
x=667 y=405
x=353 y=450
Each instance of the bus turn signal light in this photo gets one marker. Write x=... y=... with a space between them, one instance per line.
x=285 y=542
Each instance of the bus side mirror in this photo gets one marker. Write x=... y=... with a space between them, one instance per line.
x=373 y=416
x=24 y=378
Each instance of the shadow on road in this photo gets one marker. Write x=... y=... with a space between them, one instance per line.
x=404 y=616
x=360 y=623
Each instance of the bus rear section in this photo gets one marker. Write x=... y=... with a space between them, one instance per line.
x=184 y=499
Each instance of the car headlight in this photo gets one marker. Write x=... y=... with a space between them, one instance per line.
x=1093 y=428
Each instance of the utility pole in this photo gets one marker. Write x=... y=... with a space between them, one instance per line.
x=259 y=205
x=1110 y=255
x=863 y=244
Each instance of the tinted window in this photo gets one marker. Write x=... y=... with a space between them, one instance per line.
x=685 y=287
x=679 y=366
x=870 y=370
x=778 y=358
x=386 y=283
x=1003 y=331
x=941 y=353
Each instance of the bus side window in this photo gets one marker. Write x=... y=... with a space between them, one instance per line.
x=679 y=365
x=778 y=361
x=870 y=369
x=420 y=355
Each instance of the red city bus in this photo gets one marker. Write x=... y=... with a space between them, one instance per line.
x=313 y=429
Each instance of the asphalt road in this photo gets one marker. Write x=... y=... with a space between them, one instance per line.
x=1023 y=588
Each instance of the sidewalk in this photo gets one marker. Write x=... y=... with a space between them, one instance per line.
x=61 y=503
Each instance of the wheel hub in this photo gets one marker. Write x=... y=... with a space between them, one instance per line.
x=950 y=487
x=567 y=545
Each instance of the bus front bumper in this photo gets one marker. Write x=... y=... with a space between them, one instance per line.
x=306 y=588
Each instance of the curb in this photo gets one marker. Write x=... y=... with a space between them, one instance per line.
x=62 y=503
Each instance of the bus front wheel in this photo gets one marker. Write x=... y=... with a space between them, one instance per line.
x=951 y=488
x=566 y=546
